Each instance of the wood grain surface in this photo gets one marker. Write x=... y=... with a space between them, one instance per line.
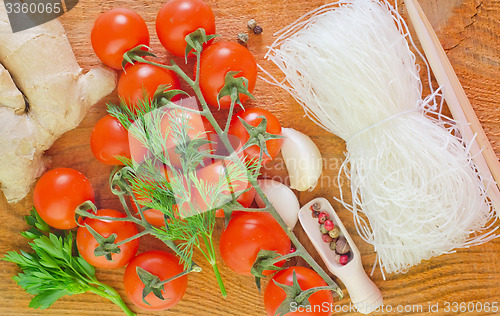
x=469 y=31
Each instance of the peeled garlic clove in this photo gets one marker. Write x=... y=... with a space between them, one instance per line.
x=282 y=199
x=302 y=159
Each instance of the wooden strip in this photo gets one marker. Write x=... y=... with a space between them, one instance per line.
x=483 y=154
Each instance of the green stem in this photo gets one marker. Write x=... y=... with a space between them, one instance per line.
x=139 y=235
x=193 y=268
x=107 y=218
x=174 y=106
x=305 y=294
x=234 y=96
x=288 y=256
x=219 y=280
x=211 y=256
x=110 y=294
x=300 y=248
x=143 y=222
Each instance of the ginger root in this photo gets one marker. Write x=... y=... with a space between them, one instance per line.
x=42 y=95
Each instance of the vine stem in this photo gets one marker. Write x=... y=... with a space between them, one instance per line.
x=308 y=292
x=148 y=228
x=298 y=245
x=193 y=268
x=225 y=140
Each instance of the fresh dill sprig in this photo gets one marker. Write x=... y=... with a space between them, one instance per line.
x=187 y=201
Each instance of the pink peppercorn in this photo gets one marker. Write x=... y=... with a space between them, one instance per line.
x=322 y=217
x=329 y=225
x=343 y=259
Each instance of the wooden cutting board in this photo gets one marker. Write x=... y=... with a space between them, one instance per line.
x=469 y=33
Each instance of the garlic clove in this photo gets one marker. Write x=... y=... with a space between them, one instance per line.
x=282 y=199
x=302 y=159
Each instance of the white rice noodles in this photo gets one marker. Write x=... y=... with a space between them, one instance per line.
x=416 y=193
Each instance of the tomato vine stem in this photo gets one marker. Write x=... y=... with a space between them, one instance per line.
x=223 y=137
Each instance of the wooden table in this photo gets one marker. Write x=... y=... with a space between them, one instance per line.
x=469 y=33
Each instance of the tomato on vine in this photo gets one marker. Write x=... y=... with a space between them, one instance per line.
x=87 y=243
x=253 y=116
x=115 y=32
x=216 y=61
x=58 y=193
x=178 y=18
x=246 y=234
x=307 y=278
x=141 y=78
x=163 y=265
x=108 y=140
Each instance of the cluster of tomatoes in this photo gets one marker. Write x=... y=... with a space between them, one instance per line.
x=56 y=196
x=115 y=32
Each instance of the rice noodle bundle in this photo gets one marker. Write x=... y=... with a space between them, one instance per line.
x=350 y=66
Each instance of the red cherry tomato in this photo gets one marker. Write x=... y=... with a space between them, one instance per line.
x=251 y=116
x=216 y=61
x=138 y=79
x=153 y=216
x=86 y=242
x=162 y=264
x=212 y=174
x=248 y=233
x=115 y=32
x=247 y=197
x=197 y=125
x=108 y=140
x=307 y=278
x=178 y=18
x=57 y=194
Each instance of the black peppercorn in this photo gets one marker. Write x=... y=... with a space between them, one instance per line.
x=257 y=30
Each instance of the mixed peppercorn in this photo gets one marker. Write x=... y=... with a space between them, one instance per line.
x=252 y=26
x=331 y=235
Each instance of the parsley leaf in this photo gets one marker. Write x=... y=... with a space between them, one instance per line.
x=53 y=269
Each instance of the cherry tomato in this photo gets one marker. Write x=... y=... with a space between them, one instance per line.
x=178 y=18
x=86 y=242
x=245 y=235
x=197 y=125
x=307 y=278
x=108 y=140
x=57 y=194
x=153 y=216
x=212 y=175
x=251 y=116
x=219 y=169
x=115 y=32
x=216 y=61
x=139 y=78
x=162 y=264
x=245 y=199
